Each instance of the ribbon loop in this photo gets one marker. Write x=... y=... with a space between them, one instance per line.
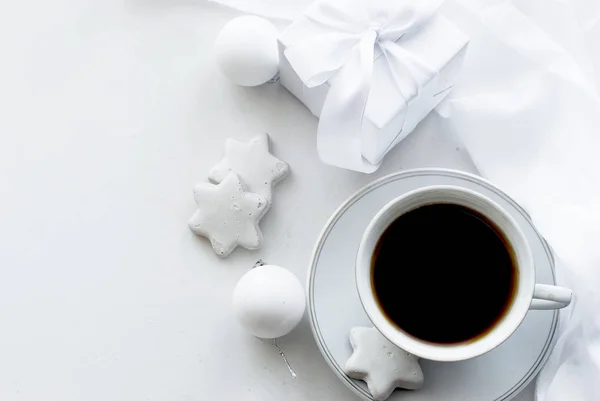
x=343 y=57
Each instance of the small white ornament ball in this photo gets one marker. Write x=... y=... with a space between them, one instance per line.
x=269 y=301
x=246 y=50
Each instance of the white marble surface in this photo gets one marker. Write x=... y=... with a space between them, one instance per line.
x=111 y=112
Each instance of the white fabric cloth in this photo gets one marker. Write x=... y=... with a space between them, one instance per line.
x=528 y=110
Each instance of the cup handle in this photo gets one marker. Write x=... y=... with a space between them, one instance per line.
x=546 y=297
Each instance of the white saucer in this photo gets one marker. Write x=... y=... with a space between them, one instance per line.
x=334 y=306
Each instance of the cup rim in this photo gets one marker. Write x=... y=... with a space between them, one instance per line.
x=446 y=352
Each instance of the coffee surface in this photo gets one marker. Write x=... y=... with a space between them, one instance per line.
x=443 y=273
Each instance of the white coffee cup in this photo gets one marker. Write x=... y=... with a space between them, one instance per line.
x=529 y=295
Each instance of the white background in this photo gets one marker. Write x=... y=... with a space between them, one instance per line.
x=110 y=112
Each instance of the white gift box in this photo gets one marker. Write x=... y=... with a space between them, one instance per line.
x=388 y=116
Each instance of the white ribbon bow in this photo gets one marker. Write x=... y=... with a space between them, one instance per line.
x=344 y=57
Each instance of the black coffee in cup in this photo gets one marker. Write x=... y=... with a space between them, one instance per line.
x=443 y=273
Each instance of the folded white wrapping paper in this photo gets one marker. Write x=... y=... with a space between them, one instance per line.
x=369 y=102
x=528 y=109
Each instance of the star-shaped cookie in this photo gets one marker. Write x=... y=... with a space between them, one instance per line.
x=228 y=215
x=253 y=163
x=381 y=364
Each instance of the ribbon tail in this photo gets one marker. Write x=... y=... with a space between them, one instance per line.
x=340 y=125
x=406 y=71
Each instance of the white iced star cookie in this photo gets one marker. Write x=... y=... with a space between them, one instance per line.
x=381 y=364
x=228 y=215
x=255 y=165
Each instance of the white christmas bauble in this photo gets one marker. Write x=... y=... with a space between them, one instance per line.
x=246 y=50
x=269 y=301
